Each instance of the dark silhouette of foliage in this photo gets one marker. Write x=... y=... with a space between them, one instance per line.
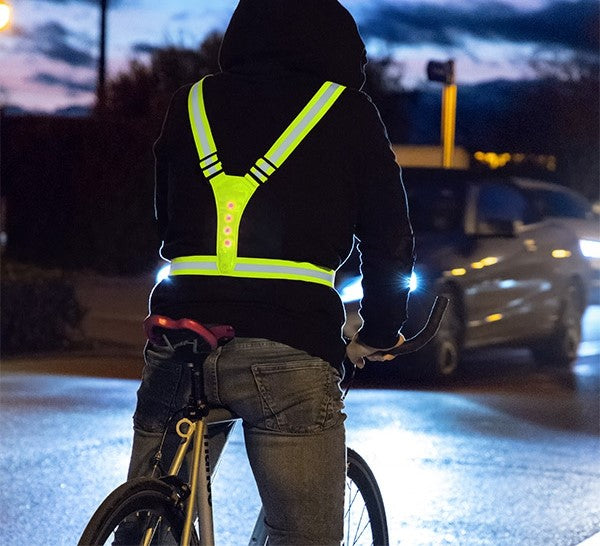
x=145 y=89
x=560 y=115
x=384 y=86
x=39 y=311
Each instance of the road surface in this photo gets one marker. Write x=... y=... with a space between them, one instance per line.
x=510 y=455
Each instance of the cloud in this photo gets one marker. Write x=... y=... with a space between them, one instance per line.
x=54 y=41
x=70 y=85
x=571 y=25
x=143 y=47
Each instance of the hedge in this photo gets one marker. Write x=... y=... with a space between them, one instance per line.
x=79 y=193
x=39 y=310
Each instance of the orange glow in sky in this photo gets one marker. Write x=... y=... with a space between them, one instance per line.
x=5 y=12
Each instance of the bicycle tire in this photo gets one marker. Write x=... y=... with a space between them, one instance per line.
x=365 y=522
x=139 y=497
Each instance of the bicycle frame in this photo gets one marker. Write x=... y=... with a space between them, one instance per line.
x=193 y=431
x=199 y=500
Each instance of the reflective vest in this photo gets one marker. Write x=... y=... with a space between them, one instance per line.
x=232 y=194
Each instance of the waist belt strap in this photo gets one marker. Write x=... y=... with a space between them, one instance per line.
x=262 y=268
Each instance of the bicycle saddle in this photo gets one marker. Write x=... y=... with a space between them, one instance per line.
x=160 y=328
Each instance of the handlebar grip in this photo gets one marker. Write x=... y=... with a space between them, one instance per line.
x=419 y=340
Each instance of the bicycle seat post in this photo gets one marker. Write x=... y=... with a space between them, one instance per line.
x=197 y=406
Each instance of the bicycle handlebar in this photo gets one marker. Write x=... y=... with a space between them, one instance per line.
x=421 y=338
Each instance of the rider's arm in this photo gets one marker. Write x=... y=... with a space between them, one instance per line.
x=385 y=236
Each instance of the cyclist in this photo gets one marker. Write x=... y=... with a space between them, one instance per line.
x=255 y=220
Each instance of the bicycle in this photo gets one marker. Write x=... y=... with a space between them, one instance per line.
x=169 y=510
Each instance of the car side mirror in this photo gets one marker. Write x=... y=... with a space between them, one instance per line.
x=495 y=227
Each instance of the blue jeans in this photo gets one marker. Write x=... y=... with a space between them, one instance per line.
x=290 y=404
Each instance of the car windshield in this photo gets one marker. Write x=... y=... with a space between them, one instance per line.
x=559 y=204
x=435 y=206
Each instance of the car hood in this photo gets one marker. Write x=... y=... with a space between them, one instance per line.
x=436 y=252
x=584 y=229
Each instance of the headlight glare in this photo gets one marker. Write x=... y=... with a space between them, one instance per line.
x=413 y=283
x=590 y=248
x=163 y=273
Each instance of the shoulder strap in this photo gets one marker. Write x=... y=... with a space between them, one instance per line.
x=205 y=143
x=296 y=131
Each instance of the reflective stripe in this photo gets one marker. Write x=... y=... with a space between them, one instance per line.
x=209 y=160
x=200 y=127
x=264 y=166
x=259 y=174
x=208 y=263
x=216 y=168
x=304 y=122
x=256 y=268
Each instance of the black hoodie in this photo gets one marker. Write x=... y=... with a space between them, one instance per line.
x=342 y=181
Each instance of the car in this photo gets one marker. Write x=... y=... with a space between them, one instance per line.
x=514 y=278
x=575 y=211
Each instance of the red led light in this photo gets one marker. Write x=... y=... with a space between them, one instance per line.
x=227 y=230
x=230 y=205
x=227 y=242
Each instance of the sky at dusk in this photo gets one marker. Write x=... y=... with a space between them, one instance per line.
x=48 y=57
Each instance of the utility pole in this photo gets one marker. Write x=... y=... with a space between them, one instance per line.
x=444 y=72
x=101 y=85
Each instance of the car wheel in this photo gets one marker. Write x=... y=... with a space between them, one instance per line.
x=560 y=349
x=440 y=358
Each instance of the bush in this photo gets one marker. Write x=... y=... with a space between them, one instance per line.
x=83 y=197
x=39 y=310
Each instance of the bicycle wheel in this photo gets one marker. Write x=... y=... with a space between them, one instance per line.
x=130 y=510
x=365 y=523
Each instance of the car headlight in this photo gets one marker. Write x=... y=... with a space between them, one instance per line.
x=590 y=248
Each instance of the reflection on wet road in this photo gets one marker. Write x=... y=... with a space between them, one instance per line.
x=510 y=455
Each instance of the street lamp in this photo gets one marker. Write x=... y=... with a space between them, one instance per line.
x=5 y=15
x=444 y=73
x=101 y=84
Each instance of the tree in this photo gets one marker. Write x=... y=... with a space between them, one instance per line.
x=146 y=88
x=384 y=86
x=560 y=115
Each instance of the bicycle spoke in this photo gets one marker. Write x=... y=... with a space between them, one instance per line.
x=353 y=512
x=151 y=530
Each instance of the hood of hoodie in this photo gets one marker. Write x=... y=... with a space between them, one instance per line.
x=318 y=37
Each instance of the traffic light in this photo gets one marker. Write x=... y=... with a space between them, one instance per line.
x=441 y=72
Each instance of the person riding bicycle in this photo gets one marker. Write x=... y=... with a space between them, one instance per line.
x=266 y=173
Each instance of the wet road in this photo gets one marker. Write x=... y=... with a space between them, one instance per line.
x=509 y=455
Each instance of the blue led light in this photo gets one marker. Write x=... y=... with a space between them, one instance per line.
x=163 y=273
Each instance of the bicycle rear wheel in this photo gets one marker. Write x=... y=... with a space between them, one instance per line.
x=130 y=510
x=365 y=523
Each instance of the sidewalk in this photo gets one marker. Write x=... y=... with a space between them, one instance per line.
x=115 y=309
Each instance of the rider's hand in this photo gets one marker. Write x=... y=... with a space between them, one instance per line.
x=357 y=351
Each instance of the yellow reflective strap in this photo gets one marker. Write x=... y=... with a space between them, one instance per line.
x=254 y=268
x=304 y=122
x=265 y=167
x=232 y=194
x=205 y=143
